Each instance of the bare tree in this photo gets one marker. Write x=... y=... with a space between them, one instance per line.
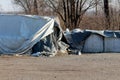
x=26 y=5
x=107 y=13
x=37 y=7
x=29 y=6
x=43 y=9
x=96 y=7
x=71 y=11
x=119 y=13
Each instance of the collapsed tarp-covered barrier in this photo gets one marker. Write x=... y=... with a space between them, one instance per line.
x=93 y=44
x=21 y=33
x=92 y=41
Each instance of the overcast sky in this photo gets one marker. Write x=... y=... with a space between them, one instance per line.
x=7 y=5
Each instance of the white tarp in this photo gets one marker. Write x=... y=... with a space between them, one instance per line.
x=19 y=33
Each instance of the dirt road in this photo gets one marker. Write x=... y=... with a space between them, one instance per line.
x=84 y=67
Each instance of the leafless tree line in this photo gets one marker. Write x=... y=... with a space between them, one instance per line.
x=71 y=12
x=36 y=7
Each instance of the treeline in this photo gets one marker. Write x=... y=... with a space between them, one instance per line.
x=84 y=14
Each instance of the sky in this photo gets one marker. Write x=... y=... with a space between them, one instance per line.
x=7 y=6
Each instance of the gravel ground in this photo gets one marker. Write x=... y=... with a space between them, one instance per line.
x=84 y=67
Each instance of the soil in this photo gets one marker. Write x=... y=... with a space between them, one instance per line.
x=84 y=67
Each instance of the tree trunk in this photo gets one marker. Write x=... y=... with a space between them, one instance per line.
x=106 y=12
x=35 y=7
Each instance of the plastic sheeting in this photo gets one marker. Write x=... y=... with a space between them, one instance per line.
x=92 y=41
x=112 y=44
x=20 y=33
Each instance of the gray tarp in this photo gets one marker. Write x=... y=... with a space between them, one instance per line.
x=19 y=33
x=77 y=39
